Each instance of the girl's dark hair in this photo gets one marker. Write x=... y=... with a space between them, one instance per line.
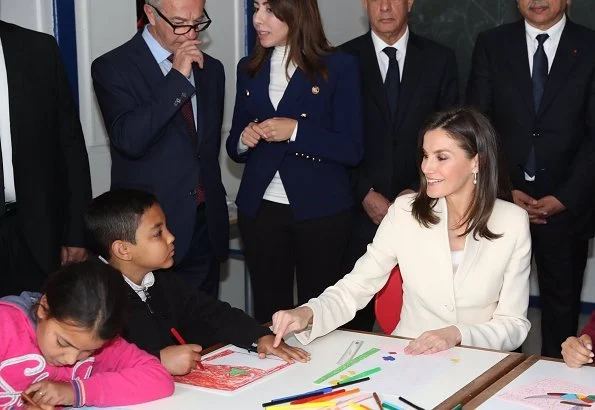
x=474 y=133
x=306 y=40
x=90 y=294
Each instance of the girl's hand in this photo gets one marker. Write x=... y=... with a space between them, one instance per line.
x=434 y=341
x=278 y=129
x=46 y=393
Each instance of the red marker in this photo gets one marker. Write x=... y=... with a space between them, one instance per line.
x=179 y=338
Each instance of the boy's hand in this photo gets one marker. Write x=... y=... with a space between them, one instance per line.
x=577 y=351
x=180 y=360
x=287 y=321
x=284 y=351
x=48 y=394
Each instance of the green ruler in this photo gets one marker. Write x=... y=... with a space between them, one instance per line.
x=346 y=365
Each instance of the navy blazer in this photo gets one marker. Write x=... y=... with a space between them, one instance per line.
x=315 y=167
x=150 y=145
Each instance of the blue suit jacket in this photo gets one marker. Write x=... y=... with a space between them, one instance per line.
x=315 y=167
x=150 y=145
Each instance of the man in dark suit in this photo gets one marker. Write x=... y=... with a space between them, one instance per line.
x=536 y=79
x=162 y=104
x=399 y=91
x=44 y=169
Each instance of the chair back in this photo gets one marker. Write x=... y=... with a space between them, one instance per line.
x=389 y=301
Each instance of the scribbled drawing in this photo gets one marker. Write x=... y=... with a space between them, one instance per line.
x=551 y=394
x=229 y=370
x=388 y=358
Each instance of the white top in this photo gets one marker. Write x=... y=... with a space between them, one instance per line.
x=549 y=46
x=5 y=137
x=141 y=289
x=457 y=258
x=147 y=282
x=487 y=300
x=279 y=80
x=400 y=45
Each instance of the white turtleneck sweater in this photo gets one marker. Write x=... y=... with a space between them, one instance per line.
x=278 y=82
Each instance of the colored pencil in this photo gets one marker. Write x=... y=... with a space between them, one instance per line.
x=343 y=384
x=377 y=400
x=404 y=400
x=304 y=405
x=342 y=394
x=180 y=340
x=575 y=403
x=29 y=400
x=320 y=397
x=390 y=406
x=361 y=375
x=287 y=399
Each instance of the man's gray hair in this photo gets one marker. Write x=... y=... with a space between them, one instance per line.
x=154 y=3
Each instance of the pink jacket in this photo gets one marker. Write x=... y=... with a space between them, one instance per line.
x=118 y=374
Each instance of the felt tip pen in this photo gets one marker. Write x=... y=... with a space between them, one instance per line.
x=180 y=340
x=404 y=400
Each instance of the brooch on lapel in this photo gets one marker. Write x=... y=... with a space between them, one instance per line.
x=315 y=90
x=575 y=52
x=247 y=93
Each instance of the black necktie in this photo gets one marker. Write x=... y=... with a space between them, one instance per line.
x=539 y=77
x=392 y=82
x=2 y=197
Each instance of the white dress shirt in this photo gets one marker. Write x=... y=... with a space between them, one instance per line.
x=161 y=54
x=549 y=46
x=400 y=45
x=5 y=137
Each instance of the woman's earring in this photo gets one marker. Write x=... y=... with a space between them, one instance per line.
x=474 y=177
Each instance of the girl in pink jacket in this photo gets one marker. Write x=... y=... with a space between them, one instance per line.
x=62 y=347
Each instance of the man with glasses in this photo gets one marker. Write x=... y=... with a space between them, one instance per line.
x=162 y=103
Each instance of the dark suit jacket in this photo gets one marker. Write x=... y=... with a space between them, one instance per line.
x=314 y=167
x=200 y=318
x=562 y=132
x=51 y=167
x=429 y=83
x=150 y=145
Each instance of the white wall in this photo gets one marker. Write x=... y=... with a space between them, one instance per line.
x=100 y=29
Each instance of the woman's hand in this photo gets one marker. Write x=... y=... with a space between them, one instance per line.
x=47 y=394
x=252 y=134
x=434 y=341
x=284 y=351
x=278 y=129
x=287 y=321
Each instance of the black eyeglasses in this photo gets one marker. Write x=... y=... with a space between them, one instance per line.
x=181 y=29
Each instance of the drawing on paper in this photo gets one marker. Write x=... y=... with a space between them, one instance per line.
x=231 y=369
x=551 y=394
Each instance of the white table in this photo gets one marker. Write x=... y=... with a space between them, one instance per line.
x=476 y=369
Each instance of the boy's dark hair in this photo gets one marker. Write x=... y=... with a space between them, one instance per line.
x=115 y=215
x=91 y=294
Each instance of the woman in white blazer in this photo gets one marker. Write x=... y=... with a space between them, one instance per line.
x=464 y=254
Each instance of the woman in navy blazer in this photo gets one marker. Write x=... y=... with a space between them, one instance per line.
x=297 y=127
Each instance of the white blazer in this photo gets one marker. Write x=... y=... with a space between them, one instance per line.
x=486 y=299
